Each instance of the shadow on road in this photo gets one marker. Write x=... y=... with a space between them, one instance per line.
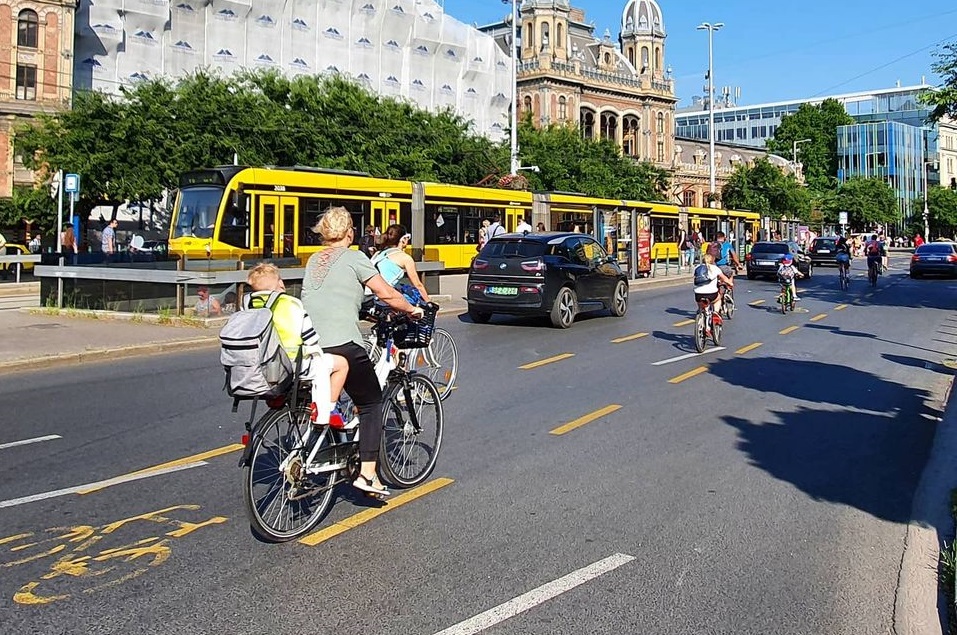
x=859 y=334
x=916 y=362
x=683 y=343
x=864 y=443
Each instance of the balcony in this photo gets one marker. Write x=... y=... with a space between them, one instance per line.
x=573 y=70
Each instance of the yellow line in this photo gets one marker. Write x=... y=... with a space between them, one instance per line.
x=756 y=303
x=789 y=329
x=580 y=421
x=691 y=373
x=840 y=307
x=629 y=338
x=365 y=516
x=550 y=360
x=227 y=449
x=819 y=317
x=747 y=349
x=683 y=323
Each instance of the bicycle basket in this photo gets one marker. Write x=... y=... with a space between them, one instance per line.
x=416 y=333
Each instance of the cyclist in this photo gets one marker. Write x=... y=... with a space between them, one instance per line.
x=394 y=264
x=725 y=258
x=787 y=273
x=706 y=278
x=874 y=250
x=842 y=253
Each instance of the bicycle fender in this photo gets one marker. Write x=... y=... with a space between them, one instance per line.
x=254 y=436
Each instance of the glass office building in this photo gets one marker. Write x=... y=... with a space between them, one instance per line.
x=889 y=150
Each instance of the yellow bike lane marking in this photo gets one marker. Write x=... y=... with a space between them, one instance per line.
x=548 y=360
x=629 y=338
x=584 y=420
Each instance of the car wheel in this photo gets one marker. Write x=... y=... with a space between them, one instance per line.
x=479 y=317
x=619 y=301
x=564 y=309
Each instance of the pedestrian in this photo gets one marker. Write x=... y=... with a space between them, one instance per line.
x=523 y=227
x=495 y=229
x=68 y=245
x=108 y=241
x=206 y=306
x=482 y=235
x=540 y=227
x=34 y=244
x=367 y=244
x=918 y=240
x=777 y=236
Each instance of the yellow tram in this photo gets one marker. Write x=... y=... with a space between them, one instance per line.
x=241 y=212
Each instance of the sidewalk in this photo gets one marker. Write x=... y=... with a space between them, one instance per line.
x=32 y=339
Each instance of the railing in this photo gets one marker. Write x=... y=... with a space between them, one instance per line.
x=18 y=262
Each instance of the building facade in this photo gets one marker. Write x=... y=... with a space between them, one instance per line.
x=617 y=90
x=36 y=58
x=947 y=152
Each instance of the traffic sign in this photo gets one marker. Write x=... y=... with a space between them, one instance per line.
x=71 y=183
x=842 y=218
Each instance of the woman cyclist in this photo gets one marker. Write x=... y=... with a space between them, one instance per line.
x=707 y=275
x=332 y=293
x=394 y=264
x=842 y=253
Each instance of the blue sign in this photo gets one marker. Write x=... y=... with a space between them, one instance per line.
x=71 y=183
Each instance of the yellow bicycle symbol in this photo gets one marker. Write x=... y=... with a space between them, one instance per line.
x=81 y=561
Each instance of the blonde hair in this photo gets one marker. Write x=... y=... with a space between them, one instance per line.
x=263 y=277
x=334 y=224
x=708 y=259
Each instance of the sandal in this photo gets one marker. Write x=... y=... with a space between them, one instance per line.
x=368 y=485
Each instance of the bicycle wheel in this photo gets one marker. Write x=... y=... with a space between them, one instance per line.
x=716 y=333
x=282 y=501
x=700 y=331
x=439 y=361
x=727 y=306
x=407 y=454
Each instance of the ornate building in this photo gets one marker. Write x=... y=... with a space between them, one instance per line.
x=613 y=90
x=36 y=67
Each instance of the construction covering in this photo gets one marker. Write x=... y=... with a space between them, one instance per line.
x=399 y=48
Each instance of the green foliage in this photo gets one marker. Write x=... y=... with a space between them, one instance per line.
x=868 y=202
x=28 y=204
x=765 y=189
x=819 y=156
x=944 y=98
x=942 y=210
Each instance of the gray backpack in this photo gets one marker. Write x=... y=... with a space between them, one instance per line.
x=252 y=355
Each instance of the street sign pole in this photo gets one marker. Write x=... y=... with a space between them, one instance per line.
x=59 y=237
x=70 y=183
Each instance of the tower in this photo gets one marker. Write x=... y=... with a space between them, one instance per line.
x=544 y=25
x=643 y=37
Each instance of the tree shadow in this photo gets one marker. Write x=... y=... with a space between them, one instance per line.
x=866 y=450
x=683 y=343
x=839 y=331
x=916 y=362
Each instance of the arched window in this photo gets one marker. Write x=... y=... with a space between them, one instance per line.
x=544 y=35
x=607 y=59
x=28 y=29
x=559 y=39
x=657 y=59
x=609 y=126
x=588 y=123
x=631 y=55
x=661 y=123
x=562 y=109
x=644 y=59
x=630 y=129
x=527 y=105
x=530 y=32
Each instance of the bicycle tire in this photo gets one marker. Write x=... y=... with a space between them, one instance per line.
x=727 y=306
x=700 y=331
x=430 y=361
x=400 y=440
x=716 y=333
x=309 y=509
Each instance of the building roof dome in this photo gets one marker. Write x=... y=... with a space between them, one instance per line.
x=642 y=17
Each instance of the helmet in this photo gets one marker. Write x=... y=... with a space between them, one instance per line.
x=788 y=259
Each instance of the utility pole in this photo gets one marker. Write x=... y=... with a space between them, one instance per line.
x=711 y=28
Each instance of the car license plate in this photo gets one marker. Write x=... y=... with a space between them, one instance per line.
x=766 y=263
x=935 y=260
x=503 y=290
x=823 y=251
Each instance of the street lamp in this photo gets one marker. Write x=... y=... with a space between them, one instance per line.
x=514 y=124
x=794 y=151
x=711 y=28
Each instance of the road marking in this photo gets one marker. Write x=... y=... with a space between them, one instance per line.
x=683 y=323
x=789 y=329
x=691 y=373
x=537 y=596
x=629 y=338
x=186 y=460
x=550 y=360
x=748 y=348
x=13 y=502
x=840 y=307
x=819 y=317
x=756 y=303
x=580 y=421
x=365 y=516
x=13 y=444
x=688 y=356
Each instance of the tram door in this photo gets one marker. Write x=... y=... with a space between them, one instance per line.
x=512 y=214
x=384 y=213
x=275 y=231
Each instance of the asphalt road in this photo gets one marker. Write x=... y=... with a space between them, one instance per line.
x=753 y=489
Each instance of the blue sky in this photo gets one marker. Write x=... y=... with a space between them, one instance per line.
x=778 y=50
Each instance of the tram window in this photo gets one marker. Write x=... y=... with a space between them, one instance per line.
x=288 y=228
x=235 y=227
x=310 y=209
x=664 y=229
x=441 y=224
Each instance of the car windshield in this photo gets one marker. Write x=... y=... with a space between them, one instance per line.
x=825 y=243
x=771 y=248
x=935 y=249
x=513 y=249
x=198 y=208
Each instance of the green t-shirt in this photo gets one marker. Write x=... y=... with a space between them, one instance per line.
x=332 y=293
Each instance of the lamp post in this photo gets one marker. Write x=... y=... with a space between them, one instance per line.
x=926 y=209
x=794 y=151
x=711 y=28
x=514 y=124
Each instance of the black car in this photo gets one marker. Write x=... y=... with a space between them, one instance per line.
x=823 y=251
x=765 y=257
x=558 y=274
x=934 y=258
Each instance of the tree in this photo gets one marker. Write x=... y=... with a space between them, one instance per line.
x=819 y=155
x=765 y=189
x=29 y=204
x=868 y=202
x=944 y=97
x=942 y=210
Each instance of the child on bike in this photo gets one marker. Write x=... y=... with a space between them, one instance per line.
x=787 y=273
x=707 y=275
x=295 y=329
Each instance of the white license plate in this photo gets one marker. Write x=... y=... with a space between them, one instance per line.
x=766 y=263
x=823 y=251
x=503 y=291
x=935 y=260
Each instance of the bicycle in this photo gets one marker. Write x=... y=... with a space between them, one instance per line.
x=873 y=271
x=843 y=270
x=727 y=298
x=786 y=297
x=707 y=323
x=292 y=464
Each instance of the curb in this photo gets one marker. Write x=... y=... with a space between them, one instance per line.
x=104 y=354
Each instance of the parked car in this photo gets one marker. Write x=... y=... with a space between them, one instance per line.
x=558 y=274
x=765 y=257
x=823 y=251
x=10 y=269
x=934 y=258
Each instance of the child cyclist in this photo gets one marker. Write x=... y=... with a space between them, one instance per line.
x=295 y=329
x=707 y=275
x=787 y=273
